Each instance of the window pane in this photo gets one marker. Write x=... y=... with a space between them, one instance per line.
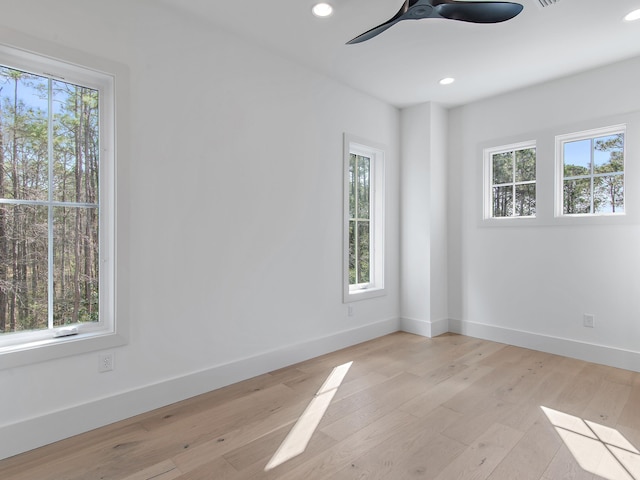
x=23 y=267
x=502 y=201
x=363 y=252
x=76 y=263
x=23 y=126
x=525 y=200
x=577 y=196
x=608 y=194
x=502 y=164
x=526 y=165
x=577 y=158
x=364 y=186
x=352 y=252
x=76 y=150
x=355 y=200
x=608 y=155
x=352 y=186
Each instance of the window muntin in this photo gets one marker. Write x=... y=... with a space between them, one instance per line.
x=364 y=220
x=591 y=168
x=57 y=170
x=511 y=181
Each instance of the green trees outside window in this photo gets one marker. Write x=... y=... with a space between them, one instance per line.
x=49 y=195
x=359 y=219
x=593 y=175
x=513 y=183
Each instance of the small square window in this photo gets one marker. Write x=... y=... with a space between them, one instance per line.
x=590 y=168
x=510 y=181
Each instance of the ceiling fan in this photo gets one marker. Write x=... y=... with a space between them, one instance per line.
x=475 y=12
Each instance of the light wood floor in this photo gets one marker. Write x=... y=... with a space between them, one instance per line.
x=450 y=407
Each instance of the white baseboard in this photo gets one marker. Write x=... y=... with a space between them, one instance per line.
x=425 y=328
x=39 y=431
x=590 y=352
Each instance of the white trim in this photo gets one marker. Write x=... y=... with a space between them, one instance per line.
x=31 y=433
x=425 y=328
x=35 y=432
x=589 y=352
x=487 y=178
x=376 y=152
x=109 y=78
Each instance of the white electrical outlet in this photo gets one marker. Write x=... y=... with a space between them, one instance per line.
x=105 y=362
x=350 y=310
x=589 y=320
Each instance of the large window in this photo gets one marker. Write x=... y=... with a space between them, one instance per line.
x=56 y=196
x=510 y=181
x=591 y=172
x=364 y=220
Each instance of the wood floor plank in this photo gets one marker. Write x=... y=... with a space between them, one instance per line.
x=564 y=467
x=236 y=438
x=166 y=470
x=261 y=450
x=261 y=454
x=630 y=415
x=607 y=403
x=531 y=456
x=109 y=457
x=479 y=460
x=444 y=408
x=544 y=395
x=341 y=454
x=398 y=391
x=474 y=423
x=423 y=404
x=218 y=469
x=577 y=394
x=417 y=451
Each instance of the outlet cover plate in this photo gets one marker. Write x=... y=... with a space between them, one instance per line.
x=589 y=320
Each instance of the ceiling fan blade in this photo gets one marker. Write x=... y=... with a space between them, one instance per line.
x=479 y=12
x=372 y=33
x=381 y=28
x=475 y=12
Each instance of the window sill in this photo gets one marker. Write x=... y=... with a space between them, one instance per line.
x=510 y=221
x=561 y=220
x=364 y=294
x=53 y=348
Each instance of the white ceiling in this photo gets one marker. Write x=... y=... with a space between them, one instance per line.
x=403 y=65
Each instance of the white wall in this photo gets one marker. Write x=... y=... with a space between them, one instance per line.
x=230 y=217
x=423 y=207
x=530 y=285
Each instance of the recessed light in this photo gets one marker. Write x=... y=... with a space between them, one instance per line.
x=322 y=9
x=635 y=15
x=447 y=81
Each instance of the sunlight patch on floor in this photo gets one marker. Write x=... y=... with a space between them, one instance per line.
x=598 y=449
x=298 y=438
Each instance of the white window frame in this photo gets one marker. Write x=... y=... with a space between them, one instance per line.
x=22 y=348
x=375 y=286
x=559 y=155
x=488 y=154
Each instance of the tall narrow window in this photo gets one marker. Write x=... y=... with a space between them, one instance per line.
x=591 y=172
x=364 y=220
x=359 y=219
x=49 y=216
x=56 y=247
x=510 y=178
